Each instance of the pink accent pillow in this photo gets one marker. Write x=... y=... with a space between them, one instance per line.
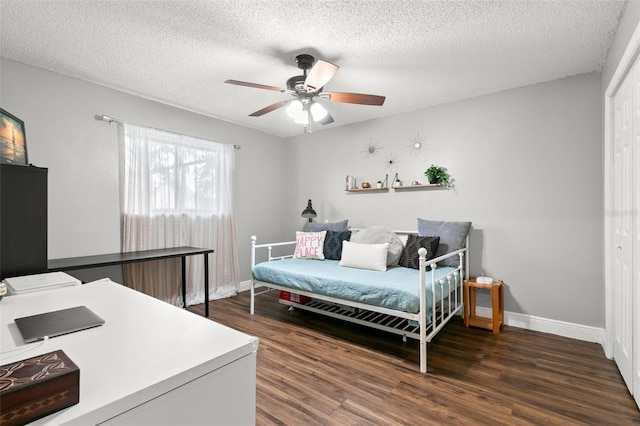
x=309 y=245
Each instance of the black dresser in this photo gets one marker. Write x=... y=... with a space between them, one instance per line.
x=23 y=220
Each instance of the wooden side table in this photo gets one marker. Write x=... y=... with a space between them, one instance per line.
x=497 y=305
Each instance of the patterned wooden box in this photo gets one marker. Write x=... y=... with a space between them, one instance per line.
x=36 y=387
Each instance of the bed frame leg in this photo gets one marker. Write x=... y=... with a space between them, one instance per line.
x=291 y=308
x=404 y=338
x=253 y=281
x=253 y=295
x=423 y=357
x=422 y=256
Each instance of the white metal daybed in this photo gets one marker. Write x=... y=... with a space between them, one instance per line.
x=438 y=291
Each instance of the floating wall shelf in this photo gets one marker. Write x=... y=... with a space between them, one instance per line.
x=423 y=186
x=398 y=188
x=367 y=189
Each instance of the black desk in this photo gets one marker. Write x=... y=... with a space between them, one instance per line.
x=71 y=263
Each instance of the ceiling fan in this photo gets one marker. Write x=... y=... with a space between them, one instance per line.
x=306 y=89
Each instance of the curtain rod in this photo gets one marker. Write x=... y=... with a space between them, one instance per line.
x=110 y=120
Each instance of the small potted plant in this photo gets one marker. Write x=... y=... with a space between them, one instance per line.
x=436 y=174
x=396 y=181
x=379 y=184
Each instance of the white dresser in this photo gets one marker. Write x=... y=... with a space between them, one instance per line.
x=151 y=363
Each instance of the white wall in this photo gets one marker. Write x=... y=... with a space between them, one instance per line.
x=527 y=167
x=83 y=161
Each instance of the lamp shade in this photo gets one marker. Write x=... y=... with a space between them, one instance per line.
x=302 y=118
x=309 y=212
x=294 y=109
x=318 y=111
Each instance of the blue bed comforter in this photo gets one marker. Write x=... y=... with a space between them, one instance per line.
x=397 y=288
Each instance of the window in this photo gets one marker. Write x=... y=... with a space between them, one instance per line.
x=182 y=173
x=177 y=191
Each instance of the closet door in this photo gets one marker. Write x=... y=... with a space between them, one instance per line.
x=623 y=294
x=633 y=253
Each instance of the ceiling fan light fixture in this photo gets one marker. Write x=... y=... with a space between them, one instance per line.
x=318 y=112
x=295 y=108
x=302 y=118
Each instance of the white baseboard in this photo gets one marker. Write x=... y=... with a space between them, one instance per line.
x=559 y=328
x=529 y=322
x=245 y=285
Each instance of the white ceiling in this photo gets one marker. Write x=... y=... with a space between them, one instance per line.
x=416 y=53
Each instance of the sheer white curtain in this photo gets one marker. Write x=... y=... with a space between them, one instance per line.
x=178 y=191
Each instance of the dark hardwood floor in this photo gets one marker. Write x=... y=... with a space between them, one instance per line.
x=314 y=370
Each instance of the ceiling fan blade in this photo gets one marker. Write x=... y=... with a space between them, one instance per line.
x=255 y=85
x=270 y=108
x=328 y=119
x=320 y=75
x=354 y=98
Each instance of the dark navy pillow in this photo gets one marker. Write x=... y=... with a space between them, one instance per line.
x=410 y=257
x=333 y=244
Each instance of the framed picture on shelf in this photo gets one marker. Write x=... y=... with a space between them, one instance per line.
x=13 y=142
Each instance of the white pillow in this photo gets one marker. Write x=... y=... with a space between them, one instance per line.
x=364 y=256
x=310 y=245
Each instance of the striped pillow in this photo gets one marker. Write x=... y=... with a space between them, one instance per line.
x=410 y=258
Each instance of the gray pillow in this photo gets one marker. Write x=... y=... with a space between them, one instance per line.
x=378 y=235
x=329 y=226
x=453 y=236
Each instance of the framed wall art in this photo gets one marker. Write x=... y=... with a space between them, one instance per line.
x=13 y=142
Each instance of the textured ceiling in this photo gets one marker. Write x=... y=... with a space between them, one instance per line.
x=416 y=53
